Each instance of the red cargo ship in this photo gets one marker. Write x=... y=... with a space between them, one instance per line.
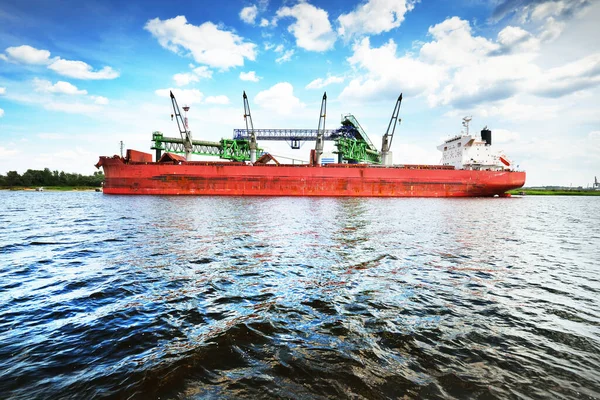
x=470 y=168
x=172 y=176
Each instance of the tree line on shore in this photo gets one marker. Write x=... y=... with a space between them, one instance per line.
x=45 y=177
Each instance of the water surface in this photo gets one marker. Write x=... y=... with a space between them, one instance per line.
x=206 y=297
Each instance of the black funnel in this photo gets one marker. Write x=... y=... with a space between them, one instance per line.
x=486 y=136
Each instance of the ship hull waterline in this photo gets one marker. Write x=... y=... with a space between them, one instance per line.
x=340 y=180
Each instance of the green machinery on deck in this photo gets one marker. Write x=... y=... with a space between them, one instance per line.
x=356 y=152
x=352 y=143
x=228 y=149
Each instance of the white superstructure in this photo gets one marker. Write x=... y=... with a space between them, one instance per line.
x=468 y=152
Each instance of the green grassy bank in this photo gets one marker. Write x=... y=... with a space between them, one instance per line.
x=557 y=192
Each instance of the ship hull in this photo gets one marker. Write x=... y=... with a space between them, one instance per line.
x=341 y=180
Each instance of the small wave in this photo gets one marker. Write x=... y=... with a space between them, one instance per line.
x=202 y=261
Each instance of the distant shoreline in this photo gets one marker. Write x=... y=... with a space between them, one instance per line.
x=554 y=192
x=51 y=189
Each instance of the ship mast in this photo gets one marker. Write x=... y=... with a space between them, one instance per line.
x=386 y=155
x=465 y=123
x=321 y=130
x=182 y=124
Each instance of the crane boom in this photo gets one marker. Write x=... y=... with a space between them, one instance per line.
x=250 y=129
x=186 y=135
x=321 y=130
x=386 y=144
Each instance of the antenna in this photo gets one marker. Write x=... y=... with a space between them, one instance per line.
x=121 y=149
x=466 y=121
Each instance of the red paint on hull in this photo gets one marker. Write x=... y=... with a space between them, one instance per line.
x=342 y=180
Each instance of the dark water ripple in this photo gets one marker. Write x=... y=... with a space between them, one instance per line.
x=147 y=297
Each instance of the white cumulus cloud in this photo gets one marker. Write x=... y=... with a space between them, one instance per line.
x=197 y=73
x=513 y=109
x=279 y=98
x=191 y=96
x=185 y=78
x=1 y=115
x=183 y=96
x=27 y=55
x=72 y=108
x=454 y=45
x=387 y=74
x=312 y=28
x=221 y=99
x=203 y=72
x=248 y=14
x=513 y=38
x=569 y=78
x=460 y=69
x=60 y=87
x=504 y=136
x=285 y=57
x=2 y=90
x=81 y=70
x=552 y=29
x=478 y=69
x=547 y=9
x=549 y=17
x=321 y=83
x=99 y=100
x=374 y=17
x=207 y=43
x=249 y=76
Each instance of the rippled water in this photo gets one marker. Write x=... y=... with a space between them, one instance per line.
x=199 y=297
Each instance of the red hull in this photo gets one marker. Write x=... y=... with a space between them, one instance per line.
x=237 y=179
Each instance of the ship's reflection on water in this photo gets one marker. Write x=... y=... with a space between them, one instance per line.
x=138 y=297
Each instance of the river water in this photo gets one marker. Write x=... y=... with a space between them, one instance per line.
x=204 y=297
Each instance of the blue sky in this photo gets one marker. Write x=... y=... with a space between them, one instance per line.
x=77 y=77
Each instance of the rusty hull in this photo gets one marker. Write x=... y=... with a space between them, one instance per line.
x=175 y=176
